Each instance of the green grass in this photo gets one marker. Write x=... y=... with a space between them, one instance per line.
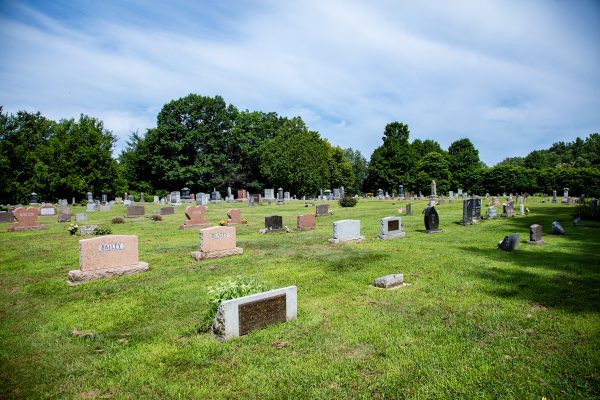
x=475 y=322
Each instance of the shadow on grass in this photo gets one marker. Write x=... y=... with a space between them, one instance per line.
x=353 y=261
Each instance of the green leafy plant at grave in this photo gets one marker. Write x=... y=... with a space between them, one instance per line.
x=102 y=230
x=118 y=220
x=73 y=229
x=156 y=217
x=240 y=287
x=347 y=201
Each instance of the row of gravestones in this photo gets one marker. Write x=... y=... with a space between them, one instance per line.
x=511 y=242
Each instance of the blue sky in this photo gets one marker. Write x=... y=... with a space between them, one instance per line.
x=512 y=76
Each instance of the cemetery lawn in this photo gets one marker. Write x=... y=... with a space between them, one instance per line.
x=475 y=322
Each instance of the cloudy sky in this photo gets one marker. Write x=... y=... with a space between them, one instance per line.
x=512 y=76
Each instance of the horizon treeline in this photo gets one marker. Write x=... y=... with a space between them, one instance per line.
x=203 y=143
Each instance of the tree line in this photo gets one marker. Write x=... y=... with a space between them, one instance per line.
x=204 y=143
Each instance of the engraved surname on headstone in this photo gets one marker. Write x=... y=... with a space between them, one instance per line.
x=261 y=313
x=220 y=235
x=217 y=242
x=111 y=246
x=393 y=225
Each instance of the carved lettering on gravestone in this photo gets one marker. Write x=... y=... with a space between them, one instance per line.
x=26 y=219
x=393 y=225
x=261 y=313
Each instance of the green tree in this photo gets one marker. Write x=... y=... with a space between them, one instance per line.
x=359 y=167
x=464 y=163
x=340 y=169
x=433 y=166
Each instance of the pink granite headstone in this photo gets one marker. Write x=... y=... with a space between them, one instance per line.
x=195 y=218
x=26 y=219
x=305 y=222
x=234 y=215
x=217 y=242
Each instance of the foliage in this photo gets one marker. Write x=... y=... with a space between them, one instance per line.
x=156 y=217
x=73 y=228
x=102 y=230
x=433 y=167
x=348 y=201
x=341 y=172
x=231 y=289
x=118 y=220
x=359 y=168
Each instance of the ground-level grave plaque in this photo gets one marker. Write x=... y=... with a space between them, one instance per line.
x=432 y=220
x=135 y=211
x=274 y=223
x=235 y=216
x=510 y=242
x=167 y=210
x=217 y=242
x=390 y=228
x=26 y=219
x=346 y=230
x=237 y=317
x=557 y=228
x=107 y=256
x=306 y=222
x=87 y=230
x=47 y=210
x=322 y=210
x=195 y=218
x=389 y=281
x=535 y=234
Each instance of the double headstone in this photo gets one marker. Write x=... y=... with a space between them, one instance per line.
x=195 y=218
x=471 y=211
x=347 y=230
x=26 y=219
x=167 y=210
x=47 y=210
x=390 y=228
x=107 y=256
x=432 y=220
x=217 y=242
x=235 y=216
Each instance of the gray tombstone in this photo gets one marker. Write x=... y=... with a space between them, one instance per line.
x=535 y=234
x=167 y=211
x=7 y=216
x=322 y=210
x=269 y=194
x=492 y=212
x=471 y=211
x=104 y=198
x=81 y=217
x=510 y=242
x=557 y=228
x=433 y=189
x=90 y=197
x=347 y=230
x=90 y=207
x=408 y=209
x=389 y=281
x=508 y=209
x=554 y=196
x=390 y=228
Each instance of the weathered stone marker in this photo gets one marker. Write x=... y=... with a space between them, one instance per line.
x=535 y=234
x=557 y=228
x=217 y=242
x=26 y=219
x=81 y=217
x=322 y=210
x=492 y=212
x=6 y=216
x=389 y=281
x=274 y=223
x=306 y=222
x=47 y=210
x=471 y=211
x=347 y=230
x=107 y=256
x=508 y=209
x=167 y=211
x=408 y=209
x=195 y=218
x=135 y=211
x=237 y=317
x=235 y=216
x=432 y=220
x=390 y=228
x=510 y=242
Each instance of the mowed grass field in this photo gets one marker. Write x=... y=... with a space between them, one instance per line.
x=475 y=322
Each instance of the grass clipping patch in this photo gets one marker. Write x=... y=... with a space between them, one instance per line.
x=240 y=287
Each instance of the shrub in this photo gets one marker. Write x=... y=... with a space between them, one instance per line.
x=118 y=220
x=347 y=201
x=222 y=222
x=156 y=217
x=240 y=287
x=102 y=230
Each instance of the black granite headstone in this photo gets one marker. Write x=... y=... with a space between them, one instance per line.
x=432 y=220
x=274 y=223
x=510 y=242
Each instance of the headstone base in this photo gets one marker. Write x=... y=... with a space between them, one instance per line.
x=392 y=236
x=25 y=228
x=204 y=255
x=187 y=226
x=359 y=239
x=535 y=241
x=77 y=276
x=432 y=231
x=507 y=215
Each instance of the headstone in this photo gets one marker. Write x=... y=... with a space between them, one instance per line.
x=185 y=193
x=347 y=230
x=496 y=201
x=87 y=230
x=522 y=209
x=104 y=207
x=274 y=223
x=401 y=192
x=269 y=194
x=235 y=216
x=64 y=217
x=440 y=202
x=135 y=211
x=389 y=281
x=156 y=199
x=119 y=200
x=195 y=218
x=565 y=198
x=25 y=219
x=508 y=209
x=142 y=197
x=107 y=256
x=322 y=210
x=336 y=193
x=305 y=222
x=280 y=199
x=81 y=217
x=492 y=212
x=510 y=242
x=167 y=210
x=241 y=195
x=6 y=216
x=451 y=194
x=229 y=197
x=90 y=197
x=471 y=211
x=433 y=189
x=459 y=192
x=217 y=242
x=554 y=196
x=432 y=220
x=237 y=317
x=90 y=207
x=47 y=210
x=557 y=228
x=390 y=228
x=535 y=234
x=408 y=209
x=286 y=196
x=104 y=198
